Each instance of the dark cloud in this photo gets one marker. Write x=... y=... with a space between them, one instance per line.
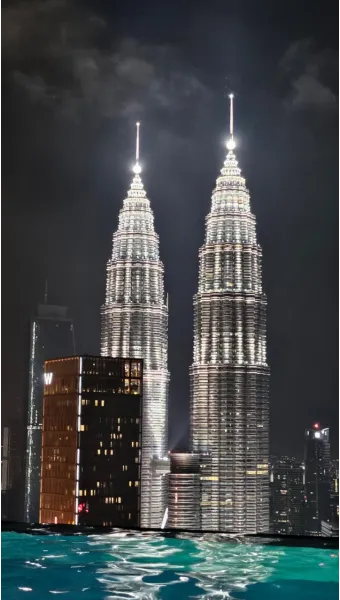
x=309 y=71
x=308 y=91
x=66 y=68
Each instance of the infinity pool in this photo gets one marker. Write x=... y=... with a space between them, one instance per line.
x=148 y=566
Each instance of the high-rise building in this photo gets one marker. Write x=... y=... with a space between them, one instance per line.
x=335 y=490
x=229 y=375
x=184 y=498
x=12 y=470
x=287 y=497
x=334 y=472
x=91 y=441
x=317 y=468
x=5 y=479
x=52 y=335
x=135 y=324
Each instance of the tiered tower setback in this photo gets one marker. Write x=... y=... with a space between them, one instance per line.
x=135 y=324
x=229 y=374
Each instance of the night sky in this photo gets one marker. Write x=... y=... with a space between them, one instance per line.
x=76 y=77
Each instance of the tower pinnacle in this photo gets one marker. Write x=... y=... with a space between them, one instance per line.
x=137 y=168
x=231 y=142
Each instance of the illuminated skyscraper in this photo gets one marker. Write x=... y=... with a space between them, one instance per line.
x=135 y=324
x=287 y=497
x=91 y=437
x=318 y=484
x=229 y=374
x=52 y=335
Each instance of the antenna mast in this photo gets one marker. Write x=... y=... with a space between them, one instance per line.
x=137 y=168
x=231 y=142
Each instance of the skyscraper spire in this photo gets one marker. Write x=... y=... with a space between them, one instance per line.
x=135 y=325
x=137 y=168
x=231 y=142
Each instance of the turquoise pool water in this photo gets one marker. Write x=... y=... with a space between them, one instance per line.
x=148 y=566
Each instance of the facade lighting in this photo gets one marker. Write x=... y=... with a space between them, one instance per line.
x=135 y=324
x=229 y=409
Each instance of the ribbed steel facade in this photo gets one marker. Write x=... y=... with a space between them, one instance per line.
x=230 y=375
x=135 y=324
x=184 y=491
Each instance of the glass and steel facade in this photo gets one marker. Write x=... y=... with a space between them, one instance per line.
x=135 y=323
x=287 y=496
x=91 y=441
x=318 y=482
x=52 y=335
x=229 y=375
x=184 y=491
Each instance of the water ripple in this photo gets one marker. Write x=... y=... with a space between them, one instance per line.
x=122 y=566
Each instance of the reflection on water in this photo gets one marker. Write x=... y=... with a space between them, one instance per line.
x=148 y=566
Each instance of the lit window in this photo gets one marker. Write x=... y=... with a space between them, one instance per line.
x=98 y=451
x=98 y=483
x=130 y=483
x=96 y=402
x=83 y=401
x=135 y=386
x=111 y=452
x=103 y=402
x=136 y=483
x=101 y=444
x=82 y=427
x=133 y=444
x=119 y=500
x=118 y=420
x=105 y=452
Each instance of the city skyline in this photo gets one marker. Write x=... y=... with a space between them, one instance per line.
x=73 y=154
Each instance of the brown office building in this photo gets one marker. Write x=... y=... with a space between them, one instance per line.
x=91 y=440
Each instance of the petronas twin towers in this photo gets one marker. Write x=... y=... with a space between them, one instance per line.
x=229 y=376
x=135 y=325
